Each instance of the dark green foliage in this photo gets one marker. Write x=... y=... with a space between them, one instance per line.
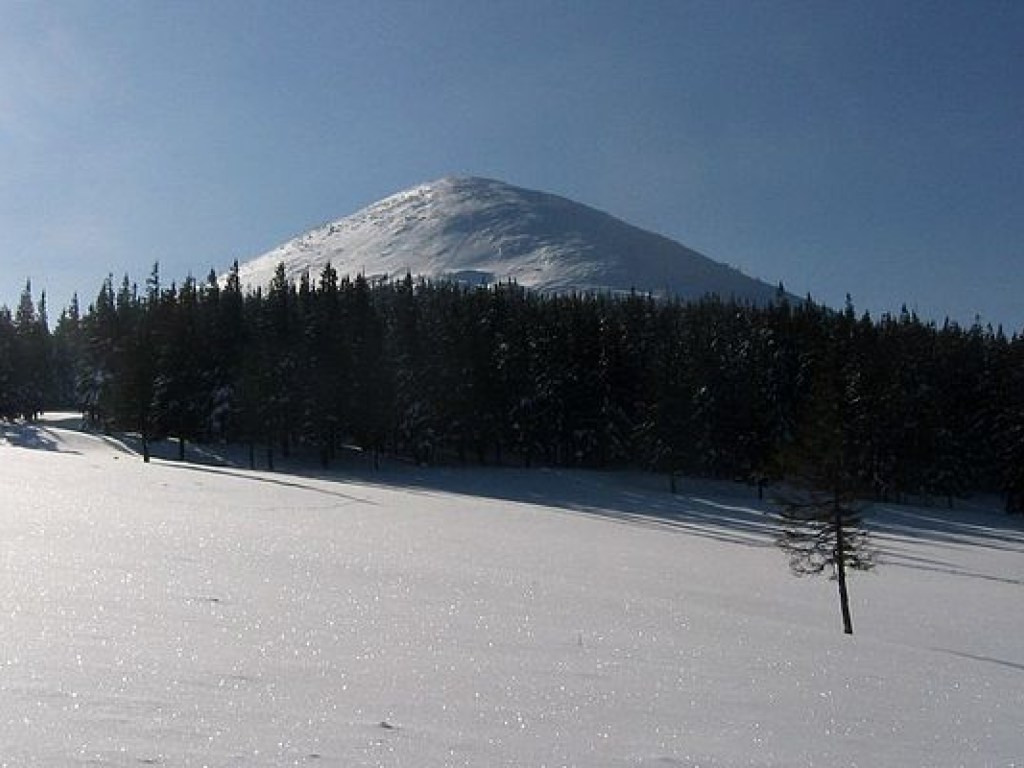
x=826 y=467
x=810 y=534
x=822 y=531
x=10 y=405
x=442 y=372
x=26 y=358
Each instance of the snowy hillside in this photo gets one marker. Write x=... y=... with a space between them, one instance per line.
x=482 y=231
x=185 y=615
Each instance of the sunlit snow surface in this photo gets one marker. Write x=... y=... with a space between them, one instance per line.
x=481 y=231
x=178 y=615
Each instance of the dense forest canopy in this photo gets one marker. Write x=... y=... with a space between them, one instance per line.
x=438 y=371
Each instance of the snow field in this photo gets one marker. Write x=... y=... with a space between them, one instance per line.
x=181 y=615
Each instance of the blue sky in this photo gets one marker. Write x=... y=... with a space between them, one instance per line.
x=870 y=148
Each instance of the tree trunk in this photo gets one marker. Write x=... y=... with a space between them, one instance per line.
x=844 y=597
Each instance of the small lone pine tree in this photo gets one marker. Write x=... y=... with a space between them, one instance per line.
x=821 y=523
x=822 y=531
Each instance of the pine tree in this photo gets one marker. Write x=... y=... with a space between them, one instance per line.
x=67 y=356
x=823 y=530
x=821 y=525
x=371 y=398
x=8 y=373
x=31 y=355
x=662 y=431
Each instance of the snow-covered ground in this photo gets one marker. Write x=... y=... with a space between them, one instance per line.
x=188 y=615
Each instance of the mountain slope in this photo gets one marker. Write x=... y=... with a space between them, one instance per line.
x=482 y=231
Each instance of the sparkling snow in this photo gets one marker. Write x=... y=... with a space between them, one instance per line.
x=186 y=615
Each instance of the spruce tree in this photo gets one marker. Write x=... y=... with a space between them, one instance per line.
x=821 y=525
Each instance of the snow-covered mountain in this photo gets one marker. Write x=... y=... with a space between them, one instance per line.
x=482 y=231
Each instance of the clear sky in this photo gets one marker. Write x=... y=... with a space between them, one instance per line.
x=871 y=148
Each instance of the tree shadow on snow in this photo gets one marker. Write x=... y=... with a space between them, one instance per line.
x=951 y=527
x=629 y=497
x=984 y=659
x=31 y=437
x=734 y=514
x=722 y=511
x=717 y=510
x=283 y=481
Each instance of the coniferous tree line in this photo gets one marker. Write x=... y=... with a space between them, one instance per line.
x=437 y=371
x=27 y=357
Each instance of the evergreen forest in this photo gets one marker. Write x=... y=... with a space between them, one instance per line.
x=442 y=372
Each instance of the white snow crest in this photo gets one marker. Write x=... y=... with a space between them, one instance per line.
x=497 y=232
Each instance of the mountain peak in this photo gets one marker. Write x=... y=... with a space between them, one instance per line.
x=482 y=230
